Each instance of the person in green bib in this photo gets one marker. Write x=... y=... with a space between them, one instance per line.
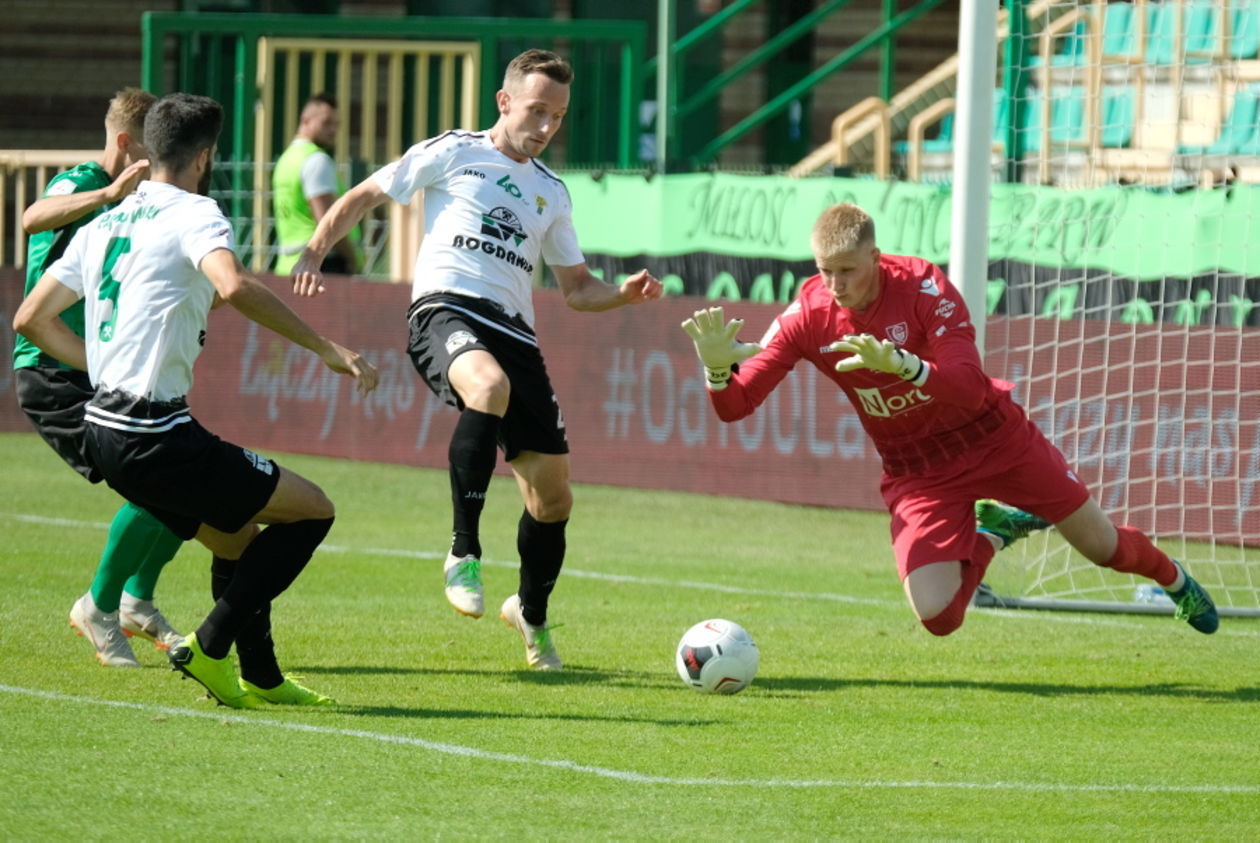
x=304 y=186
x=119 y=603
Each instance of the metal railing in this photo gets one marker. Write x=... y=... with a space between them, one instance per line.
x=24 y=173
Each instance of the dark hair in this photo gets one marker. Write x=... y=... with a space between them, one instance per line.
x=538 y=61
x=178 y=127
x=322 y=98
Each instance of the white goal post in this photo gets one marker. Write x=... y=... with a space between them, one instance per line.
x=1128 y=314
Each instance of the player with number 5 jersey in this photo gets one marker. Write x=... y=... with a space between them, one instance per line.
x=492 y=214
x=149 y=271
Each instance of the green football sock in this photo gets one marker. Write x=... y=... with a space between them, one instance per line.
x=135 y=536
x=163 y=550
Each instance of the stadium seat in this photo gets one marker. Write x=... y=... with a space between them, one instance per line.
x=1238 y=132
x=1119 y=109
x=1244 y=30
x=944 y=140
x=1161 y=33
x=1202 y=27
x=1067 y=117
x=1071 y=51
x=1119 y=37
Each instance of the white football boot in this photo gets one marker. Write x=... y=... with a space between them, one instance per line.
x=141 y=617
x=463 y=585
x=540 y=648
x=100 y=628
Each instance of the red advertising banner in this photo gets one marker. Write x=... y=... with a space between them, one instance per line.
x=1173 y=440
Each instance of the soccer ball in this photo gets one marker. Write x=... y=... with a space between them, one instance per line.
x=717 y=657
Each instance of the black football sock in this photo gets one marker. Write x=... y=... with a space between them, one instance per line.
x=255 y=648
x=267 y=567
x=473 y=452
x=541 y=547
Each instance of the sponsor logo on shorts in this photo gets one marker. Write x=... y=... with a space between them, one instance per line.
x=458 y=340
x=875 y=403
x=263 y=464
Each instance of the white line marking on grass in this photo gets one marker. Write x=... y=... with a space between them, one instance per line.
x=629 y=775
x=1053 y=617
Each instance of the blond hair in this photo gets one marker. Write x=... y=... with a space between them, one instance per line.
x=537 y=61
x=127 y=111
x=842 y=228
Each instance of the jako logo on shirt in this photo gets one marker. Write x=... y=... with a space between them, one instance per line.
x=875 y=404
x=263 y=464
x=458 y=340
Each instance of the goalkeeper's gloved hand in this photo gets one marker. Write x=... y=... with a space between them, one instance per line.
x=880 y=355
x=716 y=344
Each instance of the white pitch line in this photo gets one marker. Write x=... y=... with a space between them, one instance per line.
x=630 y=776
x=629 y=579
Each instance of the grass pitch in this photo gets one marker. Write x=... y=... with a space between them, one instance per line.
x=860 y=723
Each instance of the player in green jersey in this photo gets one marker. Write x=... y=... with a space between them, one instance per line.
x=119 y=603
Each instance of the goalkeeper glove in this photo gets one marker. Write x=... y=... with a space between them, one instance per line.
x=716 y=344
x=880 y=355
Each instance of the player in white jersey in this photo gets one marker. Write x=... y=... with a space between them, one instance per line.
x=149 y=271
x=492 y=213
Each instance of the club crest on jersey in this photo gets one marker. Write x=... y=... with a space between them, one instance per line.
x=458 y=340
x=928 y=285
x=502 y=224
x=898 y=333
x=541 y=204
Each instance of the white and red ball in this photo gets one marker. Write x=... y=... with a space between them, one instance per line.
x=717 y=657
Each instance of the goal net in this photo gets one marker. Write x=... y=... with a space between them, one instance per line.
x=1125 y=306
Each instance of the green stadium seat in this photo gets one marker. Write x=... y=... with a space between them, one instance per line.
x=1244 y=30
x=1202 y=30
x=1119 y=110
x=1161 y=33
x=1119 y=36
x=1071 y=52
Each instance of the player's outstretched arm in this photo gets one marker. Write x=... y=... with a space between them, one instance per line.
x=256 y=301
x=341 y=218
x=716 y=345
x=583 y=291
x=38 y=319
x=55 y=211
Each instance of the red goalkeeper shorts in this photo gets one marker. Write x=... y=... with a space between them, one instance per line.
x=933 y=513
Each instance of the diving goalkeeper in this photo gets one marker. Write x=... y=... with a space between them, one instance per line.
x=896 y=337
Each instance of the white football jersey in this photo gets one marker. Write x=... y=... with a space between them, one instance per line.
x=146 y=301
x=487 y=219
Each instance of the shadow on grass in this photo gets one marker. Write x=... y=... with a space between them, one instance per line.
x=474 y=714
x=571 y=675
x=1038 y=689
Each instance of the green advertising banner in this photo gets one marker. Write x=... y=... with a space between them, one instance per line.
x=1114 y=253
x=1131 y=232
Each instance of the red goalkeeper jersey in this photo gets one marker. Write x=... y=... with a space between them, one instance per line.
x=914 y=428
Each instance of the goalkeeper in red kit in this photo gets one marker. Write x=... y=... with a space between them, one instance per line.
x=896 y=337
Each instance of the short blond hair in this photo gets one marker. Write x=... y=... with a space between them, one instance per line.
x=127 y=111
x=842 y=228
x=537 y=61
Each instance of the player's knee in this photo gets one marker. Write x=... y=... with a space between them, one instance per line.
x=945 y=623
x=321 y=507
x=488 y=393
x=949 y=618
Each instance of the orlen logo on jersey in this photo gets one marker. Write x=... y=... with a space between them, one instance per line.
x=875 y=404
